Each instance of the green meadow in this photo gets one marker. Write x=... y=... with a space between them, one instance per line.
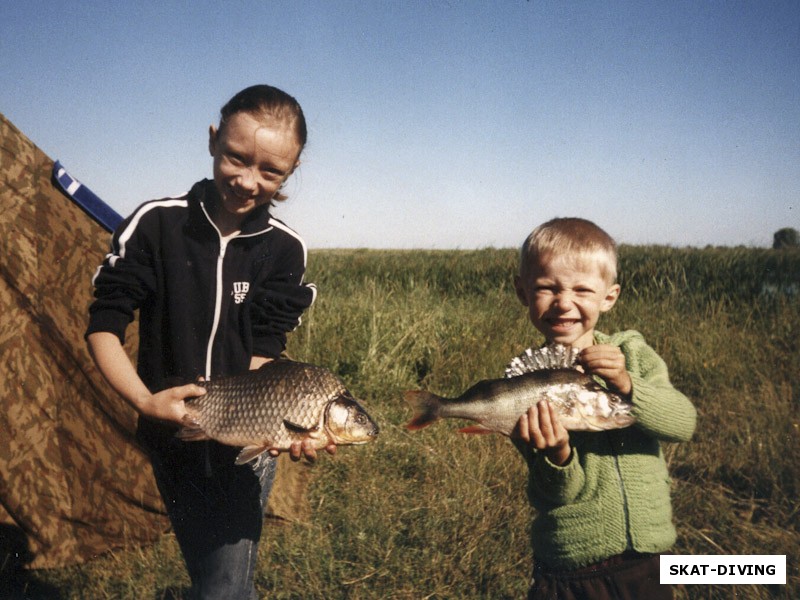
x=439 y=514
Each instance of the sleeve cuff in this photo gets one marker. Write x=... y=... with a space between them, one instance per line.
x=559 y=484
x=271 y=347
x=110 y=321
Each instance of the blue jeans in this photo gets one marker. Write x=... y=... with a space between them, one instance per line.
x=217 y=511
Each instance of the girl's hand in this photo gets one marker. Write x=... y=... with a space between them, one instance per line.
x=540 y=428
x=169 y=405
x=608 y=362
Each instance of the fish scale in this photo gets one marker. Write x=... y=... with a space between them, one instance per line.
x=272 y=407
x=247 y=394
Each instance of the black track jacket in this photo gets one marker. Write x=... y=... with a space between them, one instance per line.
x=206 y=306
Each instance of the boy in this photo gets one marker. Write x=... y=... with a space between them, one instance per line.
x=602 y=498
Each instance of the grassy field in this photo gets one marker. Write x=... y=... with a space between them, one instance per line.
x=437 y=514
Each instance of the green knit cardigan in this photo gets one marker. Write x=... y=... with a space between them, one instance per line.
x=614 y=492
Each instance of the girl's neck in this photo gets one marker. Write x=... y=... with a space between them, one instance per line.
x=229 y=225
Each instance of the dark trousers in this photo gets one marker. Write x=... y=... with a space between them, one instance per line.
x=217 y=510
x=628 y=576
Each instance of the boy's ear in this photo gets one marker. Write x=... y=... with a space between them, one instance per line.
x=611 y=298
x=519 y=287
x=212 y=139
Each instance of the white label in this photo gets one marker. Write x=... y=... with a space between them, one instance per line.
x=724 y=569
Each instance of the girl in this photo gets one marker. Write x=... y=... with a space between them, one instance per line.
x=218 y=283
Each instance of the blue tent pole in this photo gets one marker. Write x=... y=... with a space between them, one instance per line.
x=101 y=212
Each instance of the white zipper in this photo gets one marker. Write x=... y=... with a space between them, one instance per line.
x=223 y=245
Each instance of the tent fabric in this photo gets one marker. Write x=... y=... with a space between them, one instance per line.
x=73 y=482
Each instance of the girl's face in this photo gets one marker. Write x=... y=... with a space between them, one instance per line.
x=252 y=159
x=565 y=299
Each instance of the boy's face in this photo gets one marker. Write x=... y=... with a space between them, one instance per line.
x=565 y=299
x=252 y=159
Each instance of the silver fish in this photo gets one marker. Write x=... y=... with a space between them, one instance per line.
x=271 y=407
x=548 y=373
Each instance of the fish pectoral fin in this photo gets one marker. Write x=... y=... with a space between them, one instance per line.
x=476 y=429
x=191 y=431
x=299 y=428
x=248 y=453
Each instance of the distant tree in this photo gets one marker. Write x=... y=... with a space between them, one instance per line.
x=788 y=237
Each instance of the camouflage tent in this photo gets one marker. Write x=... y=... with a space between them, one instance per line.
x=73 y=484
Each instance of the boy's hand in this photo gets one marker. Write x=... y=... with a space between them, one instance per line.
x=540 y=428
x=608 y=362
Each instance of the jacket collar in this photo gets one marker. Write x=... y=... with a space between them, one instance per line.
x=205 y=194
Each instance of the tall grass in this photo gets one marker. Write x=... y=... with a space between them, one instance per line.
x=437 y=514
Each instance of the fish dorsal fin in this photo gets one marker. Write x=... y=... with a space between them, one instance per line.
x=553 y=356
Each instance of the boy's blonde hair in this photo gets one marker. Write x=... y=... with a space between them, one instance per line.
x=573 y=236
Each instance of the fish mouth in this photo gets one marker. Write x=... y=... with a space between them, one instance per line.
x=365 y=437
x=359 y=441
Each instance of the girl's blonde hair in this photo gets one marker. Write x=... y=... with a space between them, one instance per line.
x=268 y=102
x=572 y=237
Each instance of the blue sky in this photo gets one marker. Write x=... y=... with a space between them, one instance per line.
x=437 y=124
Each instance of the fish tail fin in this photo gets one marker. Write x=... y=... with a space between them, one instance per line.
x=191 y=431
x=427 y=408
